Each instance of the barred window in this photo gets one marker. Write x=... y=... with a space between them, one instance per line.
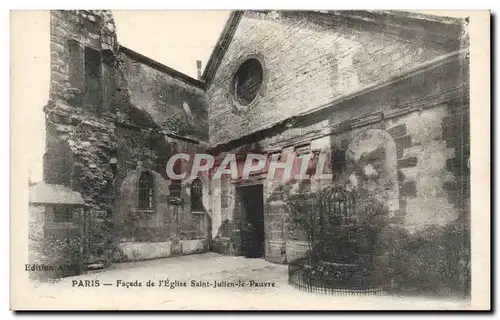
x=197 y=195
x=146 y=191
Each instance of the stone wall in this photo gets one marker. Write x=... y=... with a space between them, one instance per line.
x=70 y=29
x=137 y=225
x=423 y=134
x=53 y=243
x=109 y=109
x=134 y=251
x=309 y=59
x=166 y=221
x=423 y=173
x=36 y=220
x=329 y=79
x=176 y=104
x=80 y=136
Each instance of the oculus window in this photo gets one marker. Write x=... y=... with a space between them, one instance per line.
x=247 y=81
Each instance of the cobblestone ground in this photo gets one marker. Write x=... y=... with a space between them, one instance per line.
x=204 y=269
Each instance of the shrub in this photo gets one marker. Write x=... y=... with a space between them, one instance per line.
x=436 y=259
x=301 y=212
x=331 y=231
x=343 y=229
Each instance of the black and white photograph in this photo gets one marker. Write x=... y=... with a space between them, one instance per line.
x=249 y=160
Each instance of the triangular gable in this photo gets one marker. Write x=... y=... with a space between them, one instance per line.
x=220 y=48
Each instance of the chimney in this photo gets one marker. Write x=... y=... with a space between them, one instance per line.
x=198 y=68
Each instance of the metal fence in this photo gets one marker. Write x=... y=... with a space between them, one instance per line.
x=338 y=279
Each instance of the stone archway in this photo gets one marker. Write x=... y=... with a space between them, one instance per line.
x=372 y=158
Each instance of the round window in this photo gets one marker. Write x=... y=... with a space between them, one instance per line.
x=247 y=81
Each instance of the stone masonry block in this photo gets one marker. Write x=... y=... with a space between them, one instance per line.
x=408 y=189
x=302 y=78
x=402 y=206
x=401 y=176
x=397 y=131
x=276 y=252
x=407 y=162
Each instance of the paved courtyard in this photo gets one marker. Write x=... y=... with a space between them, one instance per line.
x=240 y=284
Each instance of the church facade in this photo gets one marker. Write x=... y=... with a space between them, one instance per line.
x=383 y=94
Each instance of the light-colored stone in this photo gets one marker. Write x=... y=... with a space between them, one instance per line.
x=146 y=250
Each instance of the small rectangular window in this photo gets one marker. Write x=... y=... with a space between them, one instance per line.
x=63 y=214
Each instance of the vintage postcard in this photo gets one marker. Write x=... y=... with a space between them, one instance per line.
x=250 y=160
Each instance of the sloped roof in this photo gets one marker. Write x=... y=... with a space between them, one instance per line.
x=136 y=56
x=438 y=29
x=401 y=22
x=43 y=193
